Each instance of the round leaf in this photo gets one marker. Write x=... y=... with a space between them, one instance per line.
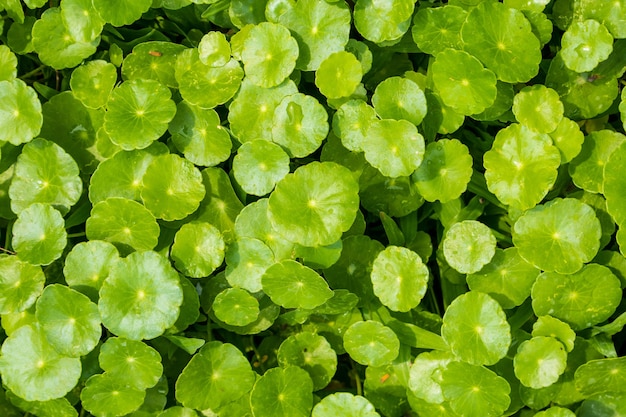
x=468 y=246
x=474 y=390
x=351 y=122
x=138 y=112
x=437 y=28
x=425 y=375
x=400 y=278
x=92 y=82
x=312 y=353
x=538 y=108
x=394 y=147
x=246 y=262
x=400 y=98
x=383 y=21
x=235 y=306
x=559 y=236
x=339 y=75
x=501 y=37
x=214 y=49
x=549 y=326
x=198 y=249
x=39 y=235
x=371 y=343
x=20 y=112
x=8 y=60
x=198 y=134
x=475 y=327
x=344 y=404
x=20 y=284
x=507 y=278
x=259 y=165
x=141 y=297
x=581 y=299
x=540 y=361
x=121 y=12
x=314 y=205
x=69 y=320
x=292 y=285
x=33 y=370
x=153 y=60
x=445 y=171
x=585 y=44
x=521 y=166
x=600 y=376
x=88 y=265
x=131 y=362
x=300 y=125
x=463 y=83
x=125 y=223
x=217 y=375
x=107 y=395
x=269 y=54
x=568 y=138
x=282 y=392
x=45 y=173
x=172 y=187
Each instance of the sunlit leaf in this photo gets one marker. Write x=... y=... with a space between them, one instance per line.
x=246 y=261
x=20 y=284
x=312 y=353
x=39 y=235
x=371 y=343
x=585 y=44
x=106 y=395
x=437 y=28
x=259 y=165
x=339 y=75
x=552 y=327
x=131 y=362
x=538 y=108
x=214 y=49
x=198 y=249
x=292 y=285
x=540 y=361
x=600 y=376
x=20 y=112
x=8 y=61
x=351 y=122
x=425 y=375
x=400 y=98
x=568 y=138
x=383 y=21
x=121 y=12
x=344 y=404
x=468 y=246
x=282 y=392
x=154 y=60
x=587 y=169
x=235 y=306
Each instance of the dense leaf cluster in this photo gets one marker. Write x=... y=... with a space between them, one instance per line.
x=285 y=208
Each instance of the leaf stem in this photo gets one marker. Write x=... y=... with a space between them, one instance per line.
x=33 y=72
x=357 y=379
x=10 y=252
x=79 y=234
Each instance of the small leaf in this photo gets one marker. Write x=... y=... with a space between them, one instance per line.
x=259 y=165
x=383 y=21
x=131 y=362
x=88 y=264
x=235 y=306
x=400 y=98
x=198 y=249
x=338 y=75
x=92 y=83
x=292 y=285
x=282 y=392
x=371 y=343
x=585 y=44
x=106 y=395
x=601 y=376
x=39 y=235
x=312 y=353
x=538 y=108
x=214 y=49
x=20 y=112
x=344 y=404
x=468 y=246
x=540 y=361
x=20 y=284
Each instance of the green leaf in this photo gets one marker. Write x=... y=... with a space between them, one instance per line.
x=214 y=49
x=203 y=85
x=59 y=407
x=549 y=326
x=251 y=113
x=312 y=353
x=217 y=375
x=394 y=147
x=198 y=134
x=351 y=122
x=587 y=169
x=556 y=412
x=153 y=60
x=507 y=278
x=320 y=28
x=314 y=205
x=344 y=404
x=475 y=327
x=138 y=112
x=172 y=187
x=235 y=306
x=20 y=112
x=20 y=284
x=560 y=235
x=445 y=171
x=55 y=42
x=259 y=165
x=521 y=166
x=121 y=12
x=46 y=174
x=371 y=343
x=141 y=296
x=292 y=285
x=8 y=60
x=538 y=108
x=339 y=75
x=585 y=44
x=462 y=82
x=501 y=37
x=82 y=20
x=397 y=197
x=474 y=391
x=568 y=138
x=400 y=98
x=540 y=361
x=581 y=299
x=383 y=21
x=438 y=28
x=269 y=54
x=282 y=392
x=615 y=185
x=468 y=246
x=399 y=278
x=69 y=320
x=33 y=370
x=131 y=362
x=106 y=395
x=178 y=411
x=39 y=235
x=122 y=174
x=246 y=261
x=300 y=125
x=601 y=376
x=198 y=249
x=425 y=375
x=125 y=223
